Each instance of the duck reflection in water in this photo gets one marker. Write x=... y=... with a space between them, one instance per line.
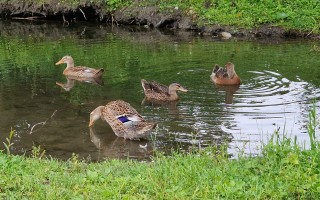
x=71 y=81
x=116 y=147
x=230 y=91
x=171 y=105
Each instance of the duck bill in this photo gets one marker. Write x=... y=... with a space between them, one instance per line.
x=91 y=123
x=59 y=84
x=183 y=89
x=59 y=62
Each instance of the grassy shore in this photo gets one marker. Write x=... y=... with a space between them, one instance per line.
x=284 y=170
x=302 y=15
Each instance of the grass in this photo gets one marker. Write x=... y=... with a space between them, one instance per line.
x=301 y=15
x=285 y=170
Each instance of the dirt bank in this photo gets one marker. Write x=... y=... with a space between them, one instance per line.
x=149 y=17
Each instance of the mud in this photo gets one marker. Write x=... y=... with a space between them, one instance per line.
x=146 y=17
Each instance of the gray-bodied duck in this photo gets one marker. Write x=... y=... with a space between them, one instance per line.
x=159 y=92
x=79 y=71
x=124 y=120
x=225 y=76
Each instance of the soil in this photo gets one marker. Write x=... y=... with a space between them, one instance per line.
x=148 y=17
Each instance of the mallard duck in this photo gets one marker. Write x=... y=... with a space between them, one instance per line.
x=124 y=120
x=157 y=91
x=225 y=76
x=79 y=71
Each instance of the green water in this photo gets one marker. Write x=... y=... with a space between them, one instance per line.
x=280 y=79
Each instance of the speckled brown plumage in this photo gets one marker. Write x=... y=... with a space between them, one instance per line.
x=79 y=71
x=157 y=91
x=225 y=76
x=134 y=128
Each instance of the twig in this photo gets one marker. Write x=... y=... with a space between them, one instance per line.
x=28 y=18
x=64 y=20
x=42 y=123
x=83 y=14
x=53 y=114
x=114 y=20
x=309 y=33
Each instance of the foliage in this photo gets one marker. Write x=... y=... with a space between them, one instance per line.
x=301 y=14
x=113 y=5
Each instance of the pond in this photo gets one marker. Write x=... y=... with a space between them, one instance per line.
x=280 y=82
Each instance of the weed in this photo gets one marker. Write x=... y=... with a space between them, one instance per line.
x=9 y=142
x=312 y=127
x=37 y=153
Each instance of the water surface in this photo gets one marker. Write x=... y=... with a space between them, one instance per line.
x=280 y=80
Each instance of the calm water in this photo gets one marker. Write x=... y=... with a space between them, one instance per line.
x=280 y=81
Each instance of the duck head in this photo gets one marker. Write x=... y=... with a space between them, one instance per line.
x=230 y=69
x=66 y=59
x=177 y=87
x=95 y=115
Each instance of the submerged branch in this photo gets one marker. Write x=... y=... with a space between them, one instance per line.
x=42 y=123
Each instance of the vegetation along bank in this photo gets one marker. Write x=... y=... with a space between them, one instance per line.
x=247 y=18
x=284 y=170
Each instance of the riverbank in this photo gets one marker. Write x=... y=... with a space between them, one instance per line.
x=284 y=170
x=258 y=20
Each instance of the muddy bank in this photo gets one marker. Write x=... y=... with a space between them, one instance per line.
x=147 y=17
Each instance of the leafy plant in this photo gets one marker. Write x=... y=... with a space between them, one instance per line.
x=37 y=153
x=9 y=142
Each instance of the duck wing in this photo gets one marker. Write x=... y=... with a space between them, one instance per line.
x=123 y=111
x=220 y=72
x=158 y=88
x=85 y=71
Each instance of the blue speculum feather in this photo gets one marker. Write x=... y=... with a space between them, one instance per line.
x=123 y=119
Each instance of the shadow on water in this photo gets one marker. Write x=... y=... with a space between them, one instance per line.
x=280 y=80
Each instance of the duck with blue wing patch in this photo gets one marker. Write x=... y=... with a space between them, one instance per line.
x=124 y=120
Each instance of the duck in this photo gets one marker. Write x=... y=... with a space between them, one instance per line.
x=156 y=91
x=225 y=76
x=79 y=71
x=124 y=120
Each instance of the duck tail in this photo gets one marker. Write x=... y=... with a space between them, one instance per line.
x=216 y=68
x=99 y=72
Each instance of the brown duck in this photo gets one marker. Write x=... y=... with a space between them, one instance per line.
x=157 y=91
x=79 y=71
x=225 y=76
x=124 y=120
